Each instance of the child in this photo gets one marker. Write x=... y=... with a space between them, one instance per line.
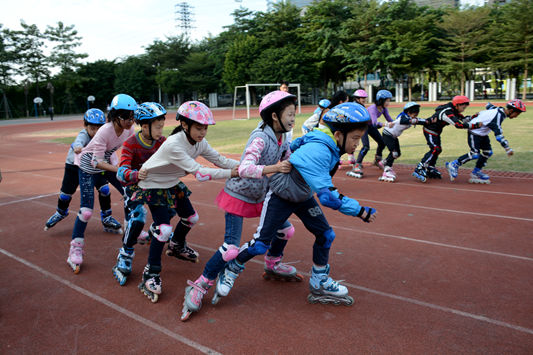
x=135 y=151
x=447 y=114
x=96 y=170
x=479 y=142
x=243 y=196
x=359 y=97
x=391 y=132
x=314 y=120
x=315 y=158
x=93 y=119
x=383 y=98
x=164 y=193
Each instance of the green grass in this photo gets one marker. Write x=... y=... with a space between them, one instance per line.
x=231 y=136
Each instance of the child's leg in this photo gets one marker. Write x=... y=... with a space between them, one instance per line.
x=364 y=149
x=274 y=268
x=485 y=151
x=68 y=188
x=392 y=144
x=376 y=136
x=188 y=218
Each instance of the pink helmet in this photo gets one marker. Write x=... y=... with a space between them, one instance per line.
x=197 y=112
x=360 y=93
x=273 y=97
x=517 y=105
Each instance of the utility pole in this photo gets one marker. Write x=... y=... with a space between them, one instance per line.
x=184 y=17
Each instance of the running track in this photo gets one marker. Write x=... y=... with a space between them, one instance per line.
x=447 y=269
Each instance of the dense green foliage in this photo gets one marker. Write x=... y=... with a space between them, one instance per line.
x=332 y=41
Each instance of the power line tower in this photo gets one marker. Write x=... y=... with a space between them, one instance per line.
x=184 y=17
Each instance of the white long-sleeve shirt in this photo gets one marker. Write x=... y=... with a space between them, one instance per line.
x=176 y=158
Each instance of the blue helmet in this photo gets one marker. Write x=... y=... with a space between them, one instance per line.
x=411 y=105
x=123 y=102
x=94 y=116
x=147 y=111
x=383 y=94
x=322 y=104
x=346 y=116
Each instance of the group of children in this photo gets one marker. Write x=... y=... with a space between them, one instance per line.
x=451 y=113
x=273 y=179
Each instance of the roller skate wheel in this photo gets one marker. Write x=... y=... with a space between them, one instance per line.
x=311 y=299
x=298 y=278
x=45 y=228
x=76 y=269
x=349 y=301
x=169 y=252
x=266 y=276
x=216 y=299
x=185 y=316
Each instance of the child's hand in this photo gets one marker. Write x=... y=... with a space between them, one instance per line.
x=77 y=150
x=367 y=214
x=414 y=120
x=284 y=167
x=235 y=171
x=509 y=151
x=143 y=173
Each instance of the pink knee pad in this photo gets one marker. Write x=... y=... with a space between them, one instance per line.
x=228 y=251
x=163 y=232
x=286 y=233
x=85 y=214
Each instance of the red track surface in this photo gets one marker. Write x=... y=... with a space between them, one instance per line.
x=447 y=268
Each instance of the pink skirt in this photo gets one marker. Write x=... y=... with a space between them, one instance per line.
x=238 y=207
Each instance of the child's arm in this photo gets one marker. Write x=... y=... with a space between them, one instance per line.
x=82 y=139
x=387 y=115
x=496 y=126
x=310 y=123
x=249 y=168
x=184 y=161
x=216 y=158
x=125 y=174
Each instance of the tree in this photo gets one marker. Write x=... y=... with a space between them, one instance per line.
x=135 y=76
x=241 y=53
x=514 y=31
x=464 y=32
x=96 y=79
x=32 y=62
x=8 y=57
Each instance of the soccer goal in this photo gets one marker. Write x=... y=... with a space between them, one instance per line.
x=247 y=96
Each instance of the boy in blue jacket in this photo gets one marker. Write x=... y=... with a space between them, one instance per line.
x=315 y=159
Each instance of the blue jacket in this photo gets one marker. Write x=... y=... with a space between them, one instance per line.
x=316 y=156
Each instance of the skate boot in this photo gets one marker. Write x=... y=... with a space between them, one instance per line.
x=453 y=169
x=326 y=290
x=57 y=217
x=151 y=282
x=356 y=172
x=75 y=254
x=379 y=162
x=275 y=269
x=420 y=172
x=388 y=175
x=433 y=173
x=123 y=267
x=226 y=279
x=479 y=177
x=193 y=296
x=110 y=224
x=182 y=252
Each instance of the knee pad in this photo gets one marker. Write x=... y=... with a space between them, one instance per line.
x=191 y=220
x=163 y=232
x=138 y=214
x=486 y=153
x=395 y=155
x=437 y=150
x=64 y=197
x=258 y=248
x=85 y=214
x=329 y=235
x=228 y=251
x=473 y=155
x=286 y=233
x=104 y=190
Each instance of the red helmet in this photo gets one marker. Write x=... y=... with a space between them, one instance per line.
x=460 y=100
x=517 y=105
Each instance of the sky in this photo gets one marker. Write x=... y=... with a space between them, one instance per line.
x=114 y=29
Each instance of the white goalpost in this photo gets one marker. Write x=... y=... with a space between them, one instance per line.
x=247 y=96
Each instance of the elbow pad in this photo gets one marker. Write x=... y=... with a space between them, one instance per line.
x=330 y=198
x=500 y=138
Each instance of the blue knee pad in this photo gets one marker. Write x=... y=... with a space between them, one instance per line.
x=330 y=236
x=486 y=153
x=258 y=248
x=104 y=190
x=138 y=214
x=64 y=197
x=473 y=155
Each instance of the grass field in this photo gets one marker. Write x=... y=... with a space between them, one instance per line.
x=230 y=137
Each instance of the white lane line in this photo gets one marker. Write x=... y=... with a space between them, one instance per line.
x=429 y=242
x=113 y=306
x=412 y=300
x=450 y=211
x=431 y=186
x=452 y=246
x=26 y=199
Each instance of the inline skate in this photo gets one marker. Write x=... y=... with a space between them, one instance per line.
x=276 y=270
x=122 y=269
x=151 y=282
x=325 y=290
x=194 y=293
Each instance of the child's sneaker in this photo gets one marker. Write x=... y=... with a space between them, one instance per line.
x=479 y=177
x=453 y=169
x=356 y=172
